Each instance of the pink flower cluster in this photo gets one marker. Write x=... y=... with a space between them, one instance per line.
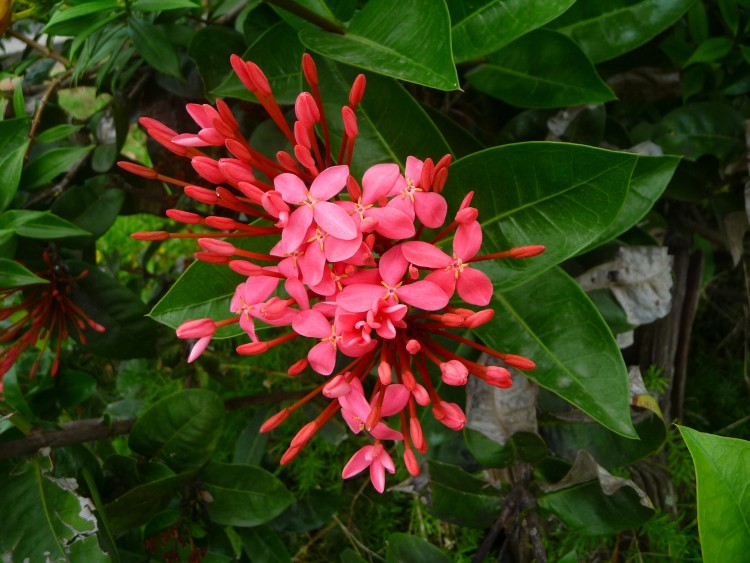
x=354 y=270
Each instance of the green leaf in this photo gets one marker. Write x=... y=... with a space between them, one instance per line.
x=263 y=545
x=552 y=329
x=57 y=132
x=278 y=53
x=140 y=504
x=312 y=510
x=154 y=45
x=92 y=208
x=731 y=15
x=211 y=48
x=182 y=428
x=587 y=510
x=461 y=498
x=72 y=19
x=49 y=519
x=385 y=114
x=522 y=446
x=698 y=129
x=606 y=29
x=243 y=495
x=711 y=50
x=39 y=225
x=542 y=69
x=317 y=7
x=14 y=139
x=251 y=443
x=12 y=274
x=650 y=178
x=559 y=195
x=163 y=5
x=74 y=387
x=722 y=470
x=419 y=52
x=50 y=164
x=481 y=27
x=407 y=548
x=203 y=291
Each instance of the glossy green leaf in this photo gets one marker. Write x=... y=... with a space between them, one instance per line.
x=12 y=274
x=182 y=428
x=72 y=19
x=462 y=143
x=74 y=387
x=50 y=164
x=153 y=44
x=582 y=363
x=162 y=5
x=406 y=40
x=243 y=495
x=481 y=27
x=650 y=178
x=318 y=9
x=211 y=48
x=461 y=498
x=251 y=443
x=542 y=69
x=405 y=547
x=722 y=470
x=263 y=545
x=57 y=132
x=567 y=437
x=698 y=129
x=392 y=124
x=606 y=29
x=49 y=519
x=730 y=14
x=562 y=196
x=522 y=446
x=140 y=504
x=92 y=208
x=39 y=225
x=14 y=139
x=711 y=50
x=203 y=291
x=312 y=510
x=278 y=52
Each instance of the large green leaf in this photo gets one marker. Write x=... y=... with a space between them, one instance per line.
x=263 y=545
x=606 y=29
x=278 y=53
x=139 y=504
x=722 y=470
x=211 y=48
x=542 y=69
x=481 y=27
x=243 y=495
x=93 y=208
x=392 y=124
x=44 y=518
x=13 y=274
x=50 y=164
x=703 y=128
x=39 y=224
x=154 y=45
x=551 y=321
x=406 y=40
x=461 y=498
x=562 y=196
x=74 y=19
x=14 y=138
x=182 y=428
x=203 y=291
x=405 y=547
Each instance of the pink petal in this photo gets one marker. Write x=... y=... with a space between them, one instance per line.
x=424 y=295
x=296 y=290
x=468 y=240
x=385 y=459
x=291 y=188
x=384 y=432
x=360 y=297
x=329 y=182
x=404 y=204
x=312 y=323
x=392 y=265
x=446 y=279
x=358 y=463
x=396 y=397
x=377 y=476
x=334 y=220
x=431 y=208
x=425 y=255
x=414 y=169
x=322 y=357
x=248 y=325
x=392 y=223
x=312 y=263
x=199 y=348
x=296 y=229
x=260 y=288
x=378 y=182
x=337 y=250
x=474 y=287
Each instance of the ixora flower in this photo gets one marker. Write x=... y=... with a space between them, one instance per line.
x=348 y=271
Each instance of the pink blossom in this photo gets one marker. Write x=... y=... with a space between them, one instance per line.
x=377 y=459
x=413 y=198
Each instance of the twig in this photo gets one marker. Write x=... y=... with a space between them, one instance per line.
x=39 y=47
x=308 y=15
x=53 y=86
x=352 y=538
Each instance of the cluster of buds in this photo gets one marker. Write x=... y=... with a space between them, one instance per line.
x=348 y=271
x=41 y=315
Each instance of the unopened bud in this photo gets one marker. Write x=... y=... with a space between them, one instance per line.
x=305 y=158
x=246 y=268
x=300 y=135
x=385 y=373
x=208 y=168
x=413 y=346
x=479 y=318
x=211 y=257
x=275 y=421
x=373 y=418
x=355 y=192
x=289 y=455
x=309 y=70
x=217 y=246
x=519 y=362
x=357 y=91
x=416 y=435
x=350 y=122
x=197 y=328
x=252 y=348
x=304 y=435
x=452 y=320
x=421 y=395
x=150 y=235
x=425 y=180
x=221 y=223
x=498 y=377
x=263 y=87
x=202 y=195
x=186 y=217
x=454 y=372
x=439 y=179
x=298 y=367
x=138 y=170
x=336 y=387
x=467 y=215
x=410 y=460
x=306 y=109
x=526 y=251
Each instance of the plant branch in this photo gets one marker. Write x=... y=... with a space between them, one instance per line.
x=53 y=86
x=39 y=47
x=308 y=15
